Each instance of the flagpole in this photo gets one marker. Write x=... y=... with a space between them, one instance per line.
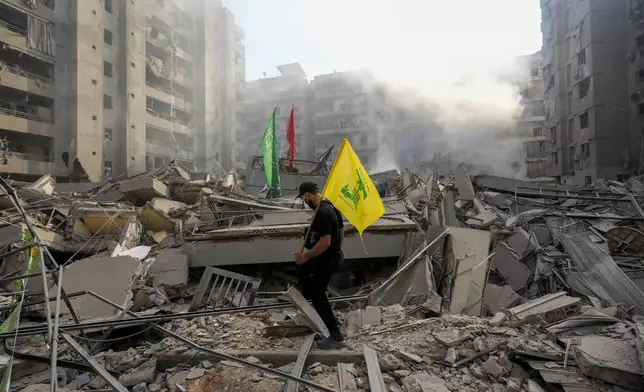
x=317 y=208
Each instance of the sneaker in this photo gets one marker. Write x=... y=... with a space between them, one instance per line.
x=330 y=344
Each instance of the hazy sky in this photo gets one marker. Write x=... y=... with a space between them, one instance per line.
x=437 y=45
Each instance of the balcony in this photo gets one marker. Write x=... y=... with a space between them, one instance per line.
x=182 y=78
x=183 y=54
x=27 y=164
x=165 y=122
x=19 y=121
x=26 y=81
x=13 y=35
x=155 y=147
x=157 y=10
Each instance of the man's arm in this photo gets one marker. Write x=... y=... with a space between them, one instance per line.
x=320 y=247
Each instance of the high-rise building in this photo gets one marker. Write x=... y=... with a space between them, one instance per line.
x=95 y=89
x=531 y=120
x=281 y=93
x=635 y=61
x=587 y=89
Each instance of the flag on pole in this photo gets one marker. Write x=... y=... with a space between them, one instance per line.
x=271 y=159
x=290 y=137
x=351 y=190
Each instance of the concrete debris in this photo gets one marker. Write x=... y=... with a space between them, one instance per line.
x=482 y=277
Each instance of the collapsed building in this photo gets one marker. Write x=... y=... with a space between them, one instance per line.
x=179 y=281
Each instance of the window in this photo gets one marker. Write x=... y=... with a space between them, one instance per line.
x=584 y=88
x=589 y=180
x=571 y=158
x=585 y=150
x=568 y=74
x=553 y=135
x=640 y=109
x=534 y=71
x=569 y=103
x=107 y=69
x=640 y=75
x=107 y=36
x=107 y=101
x=537 y=132
x=553 y=158
x=583 y=120
x=581 y=57
x=107 y=169
x=108 y=6
x=108 y=135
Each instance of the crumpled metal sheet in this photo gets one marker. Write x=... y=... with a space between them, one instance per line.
x=599 y=269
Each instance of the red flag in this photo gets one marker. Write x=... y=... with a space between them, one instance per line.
x=290 y=137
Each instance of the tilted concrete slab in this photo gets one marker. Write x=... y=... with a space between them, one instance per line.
x=144 y=188
x=611 y=360
x=109 y=277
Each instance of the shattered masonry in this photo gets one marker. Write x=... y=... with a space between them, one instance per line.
x=180 y=282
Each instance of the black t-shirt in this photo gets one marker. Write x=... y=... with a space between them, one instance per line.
x=328 y=221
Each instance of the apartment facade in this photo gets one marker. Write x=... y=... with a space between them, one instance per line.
x=289 y=90
x=531 y=120
x=106 y=88
x=587 y=90
x=635 y=60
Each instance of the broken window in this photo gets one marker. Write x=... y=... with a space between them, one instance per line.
x=581 y=57
x=553 y=135
x=584 y=88
x=107 y=36
x=534 y=71
x=107 y=169
x=571 y=158
x=108 y=6
x=108 y=135
x=583 y=120
x=537 y=132
x=585 y=150
x=589 y=180
x=107 y=101
x=107 y=69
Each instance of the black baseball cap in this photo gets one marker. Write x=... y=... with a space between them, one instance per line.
x=309 y=187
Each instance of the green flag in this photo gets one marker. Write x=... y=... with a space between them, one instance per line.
x=271 y=159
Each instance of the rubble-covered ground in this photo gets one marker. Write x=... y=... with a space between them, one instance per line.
x=499 y=285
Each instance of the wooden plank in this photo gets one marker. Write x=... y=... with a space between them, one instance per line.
x=293 y=386
x=376 y=383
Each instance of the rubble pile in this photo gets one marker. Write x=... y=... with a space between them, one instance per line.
x=176 y=282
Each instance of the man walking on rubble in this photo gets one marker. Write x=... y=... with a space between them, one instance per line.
x=321 y=259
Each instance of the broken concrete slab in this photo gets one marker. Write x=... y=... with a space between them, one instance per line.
x=551 y=307
x=464 y=183
x=424 y=382
x=109 y=277
x=508 y=264
x=639 y=338
x=611 y=360
x=170 y=268
x=158 y=214
x=142 y=374
x=491 y=367
x=144 y=189
x=499 y=297
x=521 y=242
x=470 y=251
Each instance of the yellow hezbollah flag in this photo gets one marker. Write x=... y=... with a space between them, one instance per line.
x=351 y=190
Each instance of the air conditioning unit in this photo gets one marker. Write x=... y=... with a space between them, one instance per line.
x=630 y=57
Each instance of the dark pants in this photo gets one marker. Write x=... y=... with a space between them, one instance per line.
x=314 y=279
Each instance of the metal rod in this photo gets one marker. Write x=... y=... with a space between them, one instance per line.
x=46 y=294
x=54 y=336
x=41 y=301
x=219 y=354
x=16 y=203
x=100 y=370
x=40 y=329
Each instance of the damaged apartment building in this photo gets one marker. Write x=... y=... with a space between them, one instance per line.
x=95 y=89
x=531 y=117
x=587 y=105
x=382 y=124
